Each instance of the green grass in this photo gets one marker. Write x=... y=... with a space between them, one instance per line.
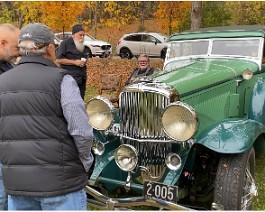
x=91 y=91
x=259 y=203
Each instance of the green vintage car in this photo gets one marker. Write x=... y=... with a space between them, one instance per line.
x=186 y=137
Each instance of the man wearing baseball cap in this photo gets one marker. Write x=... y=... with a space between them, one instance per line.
x=72 y=55
x=45 y=150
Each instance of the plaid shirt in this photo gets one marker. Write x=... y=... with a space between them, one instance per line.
x=75 y=114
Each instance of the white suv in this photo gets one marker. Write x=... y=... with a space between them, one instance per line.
x=133 y=44
x=96 y=47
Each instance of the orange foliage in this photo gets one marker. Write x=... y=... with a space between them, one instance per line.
x=171 y=14
x=61 y=14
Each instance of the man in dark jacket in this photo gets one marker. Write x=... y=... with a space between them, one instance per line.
x=8 y=54
x=46 y=140
x=72 y=55
x=143 y=69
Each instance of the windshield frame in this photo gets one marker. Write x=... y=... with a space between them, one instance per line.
x=257 y=59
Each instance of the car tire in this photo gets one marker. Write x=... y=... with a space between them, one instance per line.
x=89 y=53
x=235 y=181
x=104 y=56
x=126 y=54
x=163 y=53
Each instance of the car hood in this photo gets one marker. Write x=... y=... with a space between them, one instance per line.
x=96 y=42
x=194 y=74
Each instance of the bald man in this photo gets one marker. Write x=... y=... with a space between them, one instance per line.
x=8 y=54
x=8 y=48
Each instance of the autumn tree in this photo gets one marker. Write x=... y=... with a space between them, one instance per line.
x=246 y=12
x=143 y=10
x=61 y=15
x=30 y=12
x=170 y=14
x=57 y=15
x=214 y=13
x=7 y=15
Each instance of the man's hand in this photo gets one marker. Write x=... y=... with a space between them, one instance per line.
x=79 y=63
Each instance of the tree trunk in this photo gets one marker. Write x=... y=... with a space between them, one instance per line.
x=196 y=14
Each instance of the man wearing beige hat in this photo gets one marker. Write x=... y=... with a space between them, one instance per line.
x=46 y=140
x=72 y=55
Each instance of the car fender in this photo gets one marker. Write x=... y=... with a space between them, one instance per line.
x=90 y=48
x=257 y=103
x=101 y=163
x=231 y=136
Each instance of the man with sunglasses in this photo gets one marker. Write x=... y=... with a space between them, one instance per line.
x=72 y=56
x=143 y=69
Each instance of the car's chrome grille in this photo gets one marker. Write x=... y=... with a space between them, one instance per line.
x=105 y=47
x=140 y=114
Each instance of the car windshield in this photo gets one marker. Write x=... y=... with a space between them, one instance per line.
x=212 y=47
x=89 y=38
x=185 y=52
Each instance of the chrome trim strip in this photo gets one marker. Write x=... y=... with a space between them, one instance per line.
x=148 y=140
x=152 y=87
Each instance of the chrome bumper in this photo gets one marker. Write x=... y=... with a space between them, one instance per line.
x=105 y=203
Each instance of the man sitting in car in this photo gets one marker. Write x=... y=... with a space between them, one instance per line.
x=143 y=69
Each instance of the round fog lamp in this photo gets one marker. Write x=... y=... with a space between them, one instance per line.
x=126 y=157
x=179 y=121
x=173 y=161
x=98 y=148
x=100 y=113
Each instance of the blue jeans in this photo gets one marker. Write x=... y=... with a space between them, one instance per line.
x=73 y=201
x=3 y=195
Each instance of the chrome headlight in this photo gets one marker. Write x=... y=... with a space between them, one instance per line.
x=179 y=121
x=100 y=113
x=126 y=157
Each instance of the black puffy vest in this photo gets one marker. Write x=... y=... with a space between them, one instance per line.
x=38 y=154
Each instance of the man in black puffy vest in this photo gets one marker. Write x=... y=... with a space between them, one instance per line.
x=46 y=140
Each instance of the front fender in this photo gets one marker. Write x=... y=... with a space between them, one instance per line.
x=257 y=104
x=231 y=136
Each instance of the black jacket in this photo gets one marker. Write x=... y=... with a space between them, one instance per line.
x=67 y=49
x=4 y=66
x=38 y=154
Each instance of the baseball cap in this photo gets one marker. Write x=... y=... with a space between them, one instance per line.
x=38 y=33
x=77 y=28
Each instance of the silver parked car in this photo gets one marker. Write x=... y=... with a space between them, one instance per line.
x=133 y=44
x=97 y=47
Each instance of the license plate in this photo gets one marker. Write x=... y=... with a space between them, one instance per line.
x=160 y=191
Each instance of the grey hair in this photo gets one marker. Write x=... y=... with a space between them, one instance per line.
x=29 y=48
x=144 y=55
